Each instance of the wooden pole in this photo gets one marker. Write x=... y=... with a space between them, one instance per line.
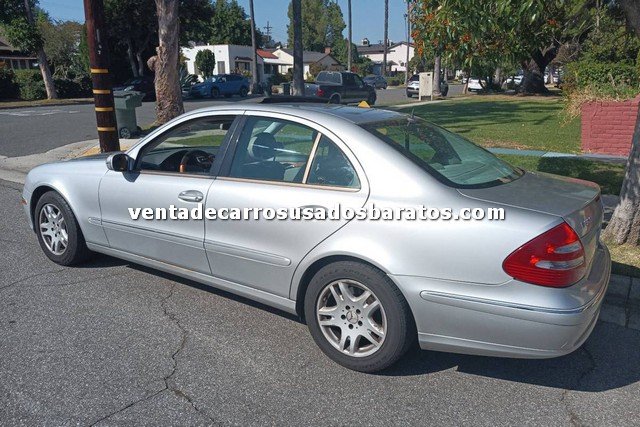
x=100 y=76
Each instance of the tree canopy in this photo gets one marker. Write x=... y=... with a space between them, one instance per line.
x=231 y=25
x=322 y=24
x=481 y=33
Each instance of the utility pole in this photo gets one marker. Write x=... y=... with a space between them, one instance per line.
x=267 y=32
x=100 y=76
x=406 y=73
x=254 y=59
x=386 y=37
x=349 y=65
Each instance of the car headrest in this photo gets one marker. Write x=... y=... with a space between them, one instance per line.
x=265 y=146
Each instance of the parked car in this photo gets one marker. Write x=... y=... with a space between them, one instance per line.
x=142 y=84
x=413 y=87
x=474 y=85
x=221 y=84
x=341 y=87
x=378 y=82
x=530 y=286
x=515 y=80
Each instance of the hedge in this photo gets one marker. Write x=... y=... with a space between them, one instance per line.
x=28 y=85
x=604 y=75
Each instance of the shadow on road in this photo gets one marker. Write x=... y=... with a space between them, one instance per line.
x=608 y=360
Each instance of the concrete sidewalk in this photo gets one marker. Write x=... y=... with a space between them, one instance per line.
x=15 y=169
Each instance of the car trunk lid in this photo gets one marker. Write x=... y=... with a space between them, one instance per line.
x=574 y=200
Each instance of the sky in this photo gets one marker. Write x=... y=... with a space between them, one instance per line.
x=367 y=16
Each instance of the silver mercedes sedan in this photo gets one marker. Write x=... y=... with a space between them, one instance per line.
x=529 y=286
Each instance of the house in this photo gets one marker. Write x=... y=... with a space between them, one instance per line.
x=324 y=59
x=232 y=59
x=11 y=57
x=396 y=55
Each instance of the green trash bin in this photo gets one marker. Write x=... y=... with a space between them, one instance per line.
x=126 y=103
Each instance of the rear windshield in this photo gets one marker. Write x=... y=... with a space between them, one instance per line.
x=329 y=77
x=450 y=158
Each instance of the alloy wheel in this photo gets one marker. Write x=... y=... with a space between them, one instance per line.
x=53 y=229
x=351 y=318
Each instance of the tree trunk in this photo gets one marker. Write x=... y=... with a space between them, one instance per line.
x=255 y=78
x=624 y=226
x=49 y=86
x=436 y=78
x=497 y=77
x=386 y=37
x=298 y=66
x=168 y=93
x=140 y=64
x=533 y=80
x=132 y=59
x=43 y=63
x=349 y=65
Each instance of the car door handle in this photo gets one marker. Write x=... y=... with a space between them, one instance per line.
x=191 y=196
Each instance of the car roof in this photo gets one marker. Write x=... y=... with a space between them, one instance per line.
x=319 y=112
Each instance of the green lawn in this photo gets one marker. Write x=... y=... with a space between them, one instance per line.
x=534 y=123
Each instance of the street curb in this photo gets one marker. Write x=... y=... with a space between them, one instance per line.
x=15 y=169
x=53 y=104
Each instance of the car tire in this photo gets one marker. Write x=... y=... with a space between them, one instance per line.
x=409 y=95
x=335 y=99
x=215 y=93
x=243 y=92
x=52 y=209
x=395 y=332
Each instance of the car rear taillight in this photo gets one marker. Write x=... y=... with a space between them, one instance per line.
x=554 y=258
x=319 y=92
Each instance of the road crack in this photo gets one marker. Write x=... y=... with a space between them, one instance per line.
x=31 y=276
x=573 y=417
x=169 y=384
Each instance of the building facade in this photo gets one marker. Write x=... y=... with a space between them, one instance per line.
x=396 y=55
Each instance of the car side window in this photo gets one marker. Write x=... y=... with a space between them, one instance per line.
x=273 y=150
x=331 y=167
x=348 y=79
x=190 y=147
x=357 y=81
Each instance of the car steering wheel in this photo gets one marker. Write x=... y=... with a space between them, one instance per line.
x=195 y=159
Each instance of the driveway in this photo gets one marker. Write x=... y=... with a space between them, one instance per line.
x=112 y=343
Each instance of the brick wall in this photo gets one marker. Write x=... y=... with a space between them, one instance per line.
x=607 y=127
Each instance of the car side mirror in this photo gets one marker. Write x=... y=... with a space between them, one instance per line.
x=119 y=162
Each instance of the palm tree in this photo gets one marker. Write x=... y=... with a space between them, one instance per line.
x=298 y=66
x=168 y=93
x=254 y=59
x=349 y=36
x=386 y=37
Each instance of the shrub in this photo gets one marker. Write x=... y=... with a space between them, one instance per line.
x=588 y=81
x=30 y=85
x=8 y=86
x=76 y=88
x=393 y=81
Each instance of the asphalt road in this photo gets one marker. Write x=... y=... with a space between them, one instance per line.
x=110 y=343
x=25 y=131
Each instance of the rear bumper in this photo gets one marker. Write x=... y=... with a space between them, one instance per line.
x=454 y=322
